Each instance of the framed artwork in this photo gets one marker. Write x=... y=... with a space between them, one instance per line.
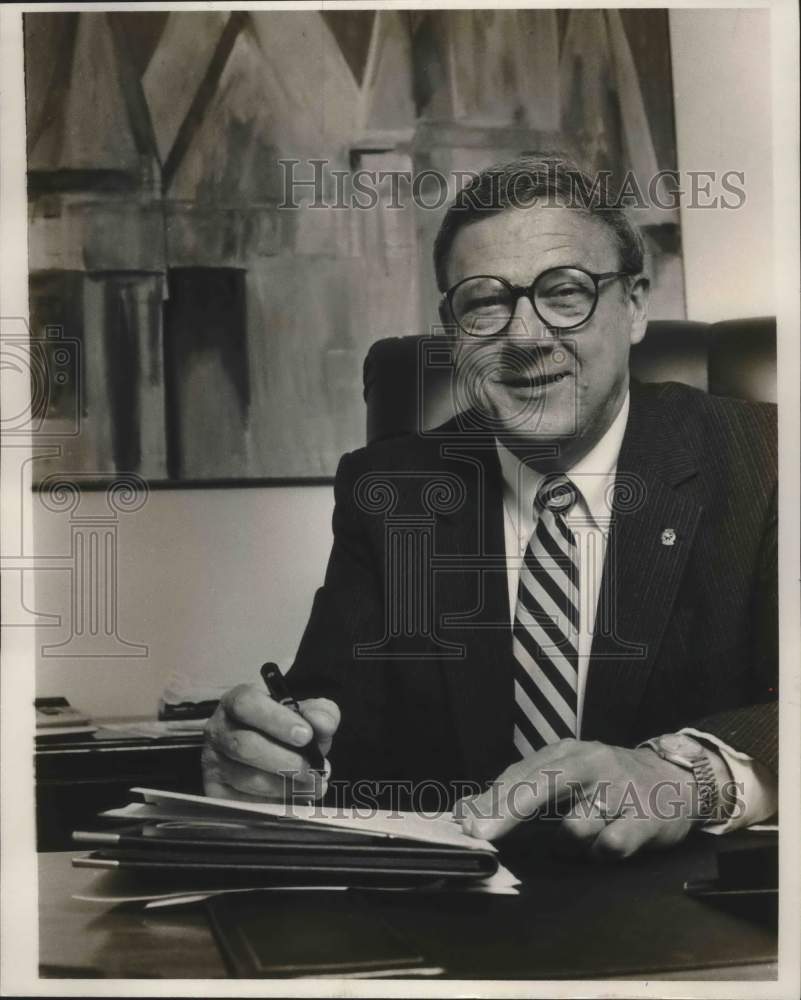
x=197 y=254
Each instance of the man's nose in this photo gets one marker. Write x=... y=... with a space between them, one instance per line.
x=526 y=323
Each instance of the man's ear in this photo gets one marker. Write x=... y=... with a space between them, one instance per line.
x=639 y=293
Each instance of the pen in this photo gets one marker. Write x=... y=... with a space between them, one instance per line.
x=276 y=684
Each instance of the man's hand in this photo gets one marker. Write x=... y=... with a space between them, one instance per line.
x=243 y=757
x=613 y=801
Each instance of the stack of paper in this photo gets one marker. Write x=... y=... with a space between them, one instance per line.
x=181 y=847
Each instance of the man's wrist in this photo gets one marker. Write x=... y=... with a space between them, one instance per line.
x=712 y=779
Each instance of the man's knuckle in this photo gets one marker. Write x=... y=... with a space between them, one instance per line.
x=228 y=743
x=214 y=729
x=218 y=737
x=227 y=698
x=239 y=701
x=615 y=842
x=209 y=759
x=246 y=746
x=328 y=707
x=252 y=783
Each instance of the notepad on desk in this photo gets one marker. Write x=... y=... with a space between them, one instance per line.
x=184 y=839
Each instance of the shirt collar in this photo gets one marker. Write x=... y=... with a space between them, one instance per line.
x=592 y=475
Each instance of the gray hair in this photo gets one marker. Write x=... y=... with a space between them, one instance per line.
x=536 y=177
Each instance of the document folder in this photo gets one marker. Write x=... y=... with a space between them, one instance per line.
x=181 y=838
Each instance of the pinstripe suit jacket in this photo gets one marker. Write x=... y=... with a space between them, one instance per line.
x=410 y=632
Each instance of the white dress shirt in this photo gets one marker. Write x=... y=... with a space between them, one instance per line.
x=589 y=519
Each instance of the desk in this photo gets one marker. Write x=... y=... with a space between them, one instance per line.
x=571 y=920
x=77 y=780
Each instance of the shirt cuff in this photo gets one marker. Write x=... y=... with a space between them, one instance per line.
x=756 y=787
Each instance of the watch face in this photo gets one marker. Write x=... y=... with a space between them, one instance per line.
x=675 y=743
x=681 y=748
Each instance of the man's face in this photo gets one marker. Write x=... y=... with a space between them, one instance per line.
x=538 y=386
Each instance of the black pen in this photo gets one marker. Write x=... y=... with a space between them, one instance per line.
x=276 y=684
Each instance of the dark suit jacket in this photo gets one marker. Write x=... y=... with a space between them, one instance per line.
x=410 y=633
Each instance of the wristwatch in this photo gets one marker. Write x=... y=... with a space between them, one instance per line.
x=692 y=756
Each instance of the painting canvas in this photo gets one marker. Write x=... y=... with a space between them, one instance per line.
x=192 y=255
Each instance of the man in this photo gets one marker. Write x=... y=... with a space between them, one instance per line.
x=595 y=619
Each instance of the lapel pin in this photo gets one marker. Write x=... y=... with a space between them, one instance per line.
x=668 y=537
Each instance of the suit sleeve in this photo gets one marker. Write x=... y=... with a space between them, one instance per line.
x=754 y=729
x=347 y=612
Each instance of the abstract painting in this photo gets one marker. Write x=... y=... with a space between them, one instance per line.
x=219 y=303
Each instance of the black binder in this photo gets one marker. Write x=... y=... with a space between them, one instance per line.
x=276 y=853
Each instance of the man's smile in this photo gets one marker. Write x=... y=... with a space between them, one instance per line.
x=533 y=380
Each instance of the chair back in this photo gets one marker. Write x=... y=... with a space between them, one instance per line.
x=408 y=384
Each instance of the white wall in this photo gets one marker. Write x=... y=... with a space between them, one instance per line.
x=722 y=81
x=214 y=582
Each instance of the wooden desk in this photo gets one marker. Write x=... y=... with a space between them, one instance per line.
x=572 y=920
x=85 y=940
x=76 y=781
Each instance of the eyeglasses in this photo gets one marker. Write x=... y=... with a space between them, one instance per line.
x=562 y=297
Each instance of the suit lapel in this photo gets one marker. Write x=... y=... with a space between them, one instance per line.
x=473 y=607
x=650 y=541
x=654 y=523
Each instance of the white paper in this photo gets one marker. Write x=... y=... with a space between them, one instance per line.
x=403 y=825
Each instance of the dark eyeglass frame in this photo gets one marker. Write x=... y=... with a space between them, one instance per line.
x=518 y=291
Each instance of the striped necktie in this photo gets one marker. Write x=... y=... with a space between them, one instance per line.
x=545 y=636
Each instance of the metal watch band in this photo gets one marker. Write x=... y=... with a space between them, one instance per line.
x=708 y=791
x=704 y=775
